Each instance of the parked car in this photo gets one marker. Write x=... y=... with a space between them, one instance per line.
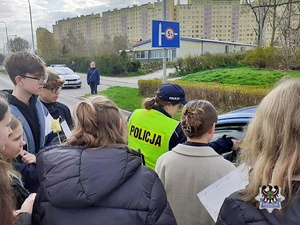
x=65 y=73
x=233 y=124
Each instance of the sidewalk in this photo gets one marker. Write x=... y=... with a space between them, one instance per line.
x=133 y=81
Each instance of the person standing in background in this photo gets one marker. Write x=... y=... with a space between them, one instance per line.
x=93 y=78
x=73 y=66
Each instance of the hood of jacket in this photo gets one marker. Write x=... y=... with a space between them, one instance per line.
x=74 y=177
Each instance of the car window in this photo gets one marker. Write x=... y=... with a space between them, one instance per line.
x=63 y=70
x=235 y=130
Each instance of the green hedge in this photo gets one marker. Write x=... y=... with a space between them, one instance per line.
x=224 y=97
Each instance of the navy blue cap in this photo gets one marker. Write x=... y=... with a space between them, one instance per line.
x=171 y=93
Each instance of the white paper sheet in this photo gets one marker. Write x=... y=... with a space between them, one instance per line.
x=214 y=195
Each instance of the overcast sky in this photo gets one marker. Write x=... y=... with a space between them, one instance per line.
x=15 y=13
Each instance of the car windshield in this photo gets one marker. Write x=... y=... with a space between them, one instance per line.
x=234 y=130
x=63 y=70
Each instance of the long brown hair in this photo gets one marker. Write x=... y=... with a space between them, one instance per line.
x=272 y=141
x=6 y=200
x=3 y=106
x=98 y=123
x=15 y=122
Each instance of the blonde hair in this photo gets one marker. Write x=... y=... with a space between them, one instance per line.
x=98 y=123
x=197 y=117
x=272 y=141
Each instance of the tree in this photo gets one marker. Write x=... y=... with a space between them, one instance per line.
x=64 y=50
x=18 y=44
x=47 y=46
x=268 y=11
x=120 y=42
x=76 y=43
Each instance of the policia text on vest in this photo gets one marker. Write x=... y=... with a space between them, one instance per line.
x=150 y=131
x=147 y=136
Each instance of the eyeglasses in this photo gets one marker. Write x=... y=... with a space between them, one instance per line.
x=54 y=90
x=40 y=80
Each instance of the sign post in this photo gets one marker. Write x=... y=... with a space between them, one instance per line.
x=165 y=34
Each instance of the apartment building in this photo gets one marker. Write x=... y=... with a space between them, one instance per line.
x=219 y=20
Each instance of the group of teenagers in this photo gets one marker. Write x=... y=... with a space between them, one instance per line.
x=145 y=169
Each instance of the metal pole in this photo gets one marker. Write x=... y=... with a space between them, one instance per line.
x=32 y=37
x=5 y=30
x=3 y=44
x=164 y=49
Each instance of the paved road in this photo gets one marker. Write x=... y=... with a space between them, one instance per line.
x=70 y=96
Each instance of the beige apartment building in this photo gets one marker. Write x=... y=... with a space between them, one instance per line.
x=219 y=20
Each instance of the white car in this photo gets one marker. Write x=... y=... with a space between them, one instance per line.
x=69 y=76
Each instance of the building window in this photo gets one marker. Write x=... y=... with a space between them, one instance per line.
x=156 y=54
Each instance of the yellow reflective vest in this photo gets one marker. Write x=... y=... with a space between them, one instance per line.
x=150 y=132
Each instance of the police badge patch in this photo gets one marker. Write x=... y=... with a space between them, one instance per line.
x=269 y=197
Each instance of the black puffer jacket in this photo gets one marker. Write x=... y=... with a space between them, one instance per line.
x=235 y=211
x=98 y=186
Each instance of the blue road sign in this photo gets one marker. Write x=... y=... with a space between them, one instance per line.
x=165 y=34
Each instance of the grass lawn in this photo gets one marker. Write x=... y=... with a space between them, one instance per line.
x=3 y=71
x=240 y=75
x=126 y=98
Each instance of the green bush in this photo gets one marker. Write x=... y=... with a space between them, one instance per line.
x=224 y=97
x=82 y=63
x=112 y=65
x=207 y=61
x=148 y=88
x=264 y=57
x=133 y=66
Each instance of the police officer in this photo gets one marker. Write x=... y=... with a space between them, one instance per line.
x=153 y=131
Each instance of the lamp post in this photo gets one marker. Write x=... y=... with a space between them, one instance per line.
x=5 y=29
x=3 y=44
x=31 y=27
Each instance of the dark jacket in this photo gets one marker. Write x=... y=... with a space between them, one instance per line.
x=19 y=191
x=235 y=211
x=23 y=219
x=93 y=76
x=98 y=186
x=61 y=111
x=34 y=124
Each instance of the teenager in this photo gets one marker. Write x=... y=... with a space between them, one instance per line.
x=8 y=214
x=272 y=150
x=94 y=178
x=193 y=165
x=58 y=110
x=27 y=72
